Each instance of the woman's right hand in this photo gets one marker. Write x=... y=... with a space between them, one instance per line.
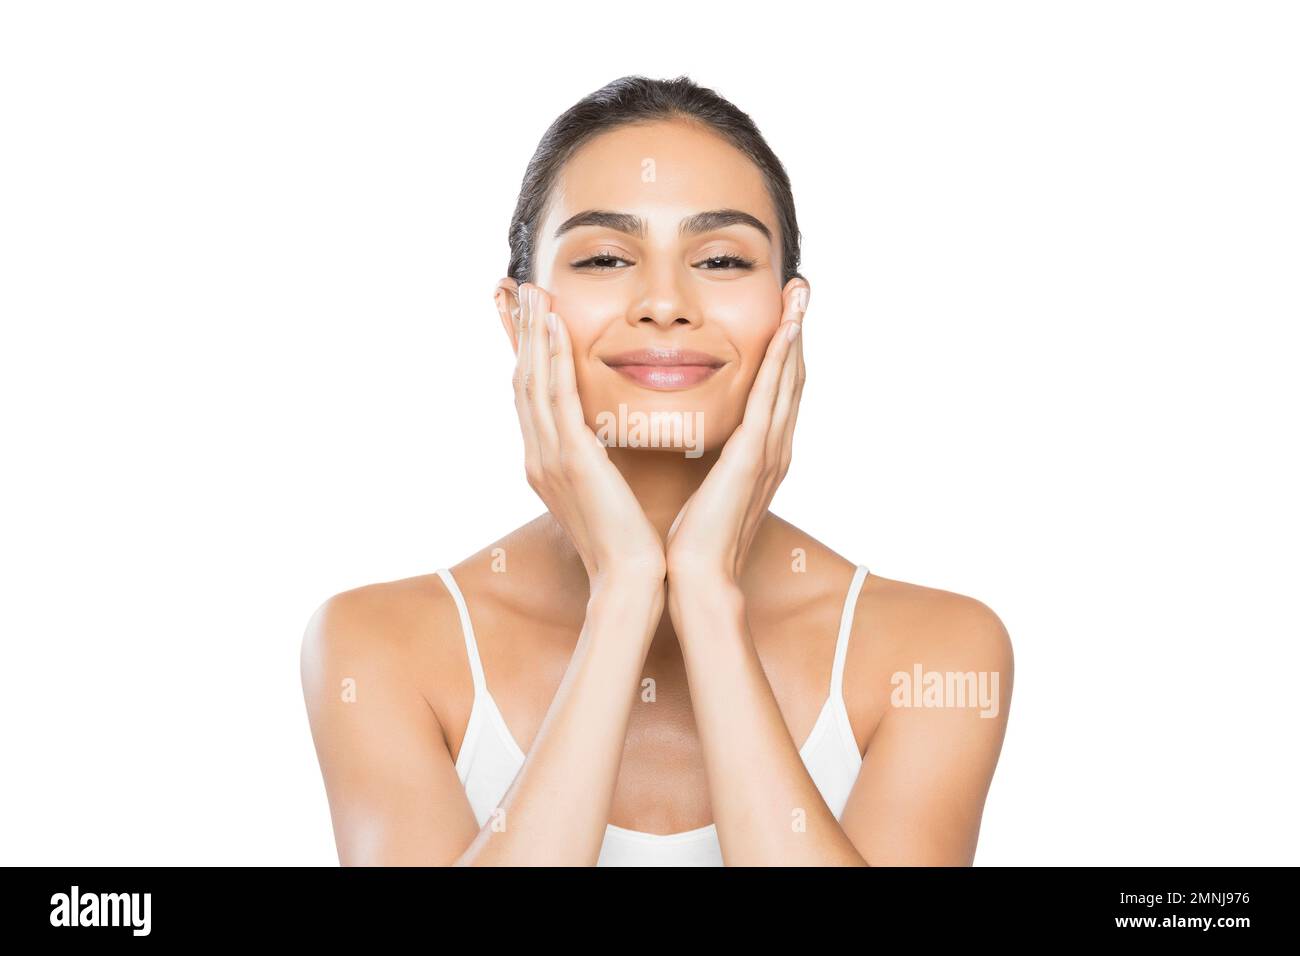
x=566 y=464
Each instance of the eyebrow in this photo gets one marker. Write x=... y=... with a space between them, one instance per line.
x=690 y=226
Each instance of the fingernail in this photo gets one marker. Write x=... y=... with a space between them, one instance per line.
x=550 y=322
x=792 y=332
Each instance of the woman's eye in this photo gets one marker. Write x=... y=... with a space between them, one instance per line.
x=599 y=262
x=727 y=262
x=606 y=261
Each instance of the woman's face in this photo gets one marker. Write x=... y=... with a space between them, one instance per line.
x=667 y=314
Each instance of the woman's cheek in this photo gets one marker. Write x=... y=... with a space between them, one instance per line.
x=590 y=374
x=750 y=333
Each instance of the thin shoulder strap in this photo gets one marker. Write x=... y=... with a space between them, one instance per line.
x=471 y=645
x=846 y=627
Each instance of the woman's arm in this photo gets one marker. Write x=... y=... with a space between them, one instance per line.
x=920 y=793
x=765 y=805
x=556 y=811
x=395 y=797
x=767 y=809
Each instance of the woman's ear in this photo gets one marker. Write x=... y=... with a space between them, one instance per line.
x=506 y=295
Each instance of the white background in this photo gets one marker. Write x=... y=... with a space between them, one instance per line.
x=250 y=359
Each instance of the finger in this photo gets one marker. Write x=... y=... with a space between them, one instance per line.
x=538 y=388
x=797 y=304
x=516 y=316
x=567 y=408
x=509 y=319
x=787 y=444
x=522 y=353
x=784 y=401
x=792 y=312
x=762 y=395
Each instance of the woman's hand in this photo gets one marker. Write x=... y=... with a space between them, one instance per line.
x=710 y=539
x=566 y=464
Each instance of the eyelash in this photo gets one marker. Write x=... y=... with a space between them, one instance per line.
x=737 y=262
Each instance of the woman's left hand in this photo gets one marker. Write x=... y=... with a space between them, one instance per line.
x=716 y=526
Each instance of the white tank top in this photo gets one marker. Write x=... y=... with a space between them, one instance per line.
x=490 y=758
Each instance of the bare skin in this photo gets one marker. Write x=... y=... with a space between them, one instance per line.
x=651 y=564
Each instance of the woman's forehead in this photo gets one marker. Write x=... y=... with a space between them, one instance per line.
x=660 y=172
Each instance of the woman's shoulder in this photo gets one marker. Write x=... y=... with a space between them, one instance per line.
x=398 y=632
x=382 y=612
x=396 y=611
x=895 y=625
x=888 y=612
x=943 y=649
x=411 y=627
x=900 y=618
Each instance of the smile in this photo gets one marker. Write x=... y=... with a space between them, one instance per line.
x=665 y=368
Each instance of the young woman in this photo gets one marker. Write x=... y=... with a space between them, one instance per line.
x=657 y=670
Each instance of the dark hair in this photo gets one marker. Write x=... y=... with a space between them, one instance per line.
x=637 y=99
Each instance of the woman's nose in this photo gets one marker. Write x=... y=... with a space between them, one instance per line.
x=663 y=302
x=665 y=319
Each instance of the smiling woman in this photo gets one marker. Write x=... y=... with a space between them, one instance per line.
x=657 y=642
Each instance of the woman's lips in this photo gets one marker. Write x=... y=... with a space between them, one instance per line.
x=665 y=368
x=666 y=376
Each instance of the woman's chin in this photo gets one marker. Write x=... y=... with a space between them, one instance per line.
x=660 y=424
